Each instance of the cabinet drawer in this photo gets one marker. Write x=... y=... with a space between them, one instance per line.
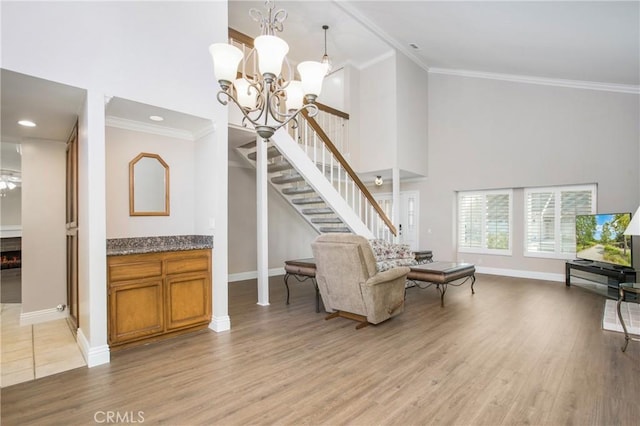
x=135 y=270
x=188 y=264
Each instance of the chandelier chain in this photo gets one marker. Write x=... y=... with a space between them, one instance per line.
x=273 y=22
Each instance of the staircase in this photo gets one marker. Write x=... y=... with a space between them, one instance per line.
x=293 y=187
x=306 y=167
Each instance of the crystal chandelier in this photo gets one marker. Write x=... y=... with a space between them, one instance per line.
x=268 y=99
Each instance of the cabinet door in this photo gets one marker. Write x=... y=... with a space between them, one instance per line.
x=135 y=310
x=188 y=300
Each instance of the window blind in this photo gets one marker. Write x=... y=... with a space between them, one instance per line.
x=484 y=222
x=550 y=218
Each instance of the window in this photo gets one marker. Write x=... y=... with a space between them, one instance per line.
x=550 y=218
x=484 y=222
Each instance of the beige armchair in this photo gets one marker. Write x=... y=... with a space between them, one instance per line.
x=349 y=284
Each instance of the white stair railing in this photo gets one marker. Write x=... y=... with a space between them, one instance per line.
x=324 y=139
x=315 y=142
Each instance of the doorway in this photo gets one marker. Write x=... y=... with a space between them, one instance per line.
x=408 y=228
x=72 y=229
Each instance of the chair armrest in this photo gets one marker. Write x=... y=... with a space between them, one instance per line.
x=387 y=276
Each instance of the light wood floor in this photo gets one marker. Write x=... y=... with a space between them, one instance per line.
x=517 y=352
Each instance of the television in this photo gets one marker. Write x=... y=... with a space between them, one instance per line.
x=600 y=238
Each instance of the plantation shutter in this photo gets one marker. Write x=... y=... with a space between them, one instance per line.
x=470 y=212
x=497 y=222
x=551 y=218
x=572 y=203
x=484 y=221
x=541 y=222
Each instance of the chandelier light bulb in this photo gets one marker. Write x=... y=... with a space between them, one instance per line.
x=271 y=52
x=225 y=62
x=311 y=73
x=246 y=93
x=295 y=95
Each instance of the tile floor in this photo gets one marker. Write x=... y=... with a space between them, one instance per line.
x=34 y=351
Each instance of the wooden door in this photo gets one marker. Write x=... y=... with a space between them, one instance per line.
x=188 y=300
x=72 y=229
x=135 y=310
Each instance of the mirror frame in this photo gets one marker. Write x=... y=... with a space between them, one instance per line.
x=132 y=163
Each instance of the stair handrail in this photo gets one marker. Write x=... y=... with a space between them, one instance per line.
x=352 y=174
x=242 y=38
x=333 y=111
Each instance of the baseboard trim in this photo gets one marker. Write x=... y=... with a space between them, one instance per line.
x=252 y=275
x=219 y=324
x=516 y=273
x=44 y=315
x=94 y=356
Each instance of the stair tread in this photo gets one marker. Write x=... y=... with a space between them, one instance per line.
x=320 y=210
x=307 y=200
x=298 y=190
x=279 y=166
x=287 y=179
x=326 y=220
x=249 y=145
x=271 y=153
x=327 y=229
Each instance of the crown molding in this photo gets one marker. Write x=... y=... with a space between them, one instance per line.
x=573 y=84
x=206 y=130
x=137 y=126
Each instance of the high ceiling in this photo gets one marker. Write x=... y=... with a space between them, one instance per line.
x=576 y=40
x=573 y=40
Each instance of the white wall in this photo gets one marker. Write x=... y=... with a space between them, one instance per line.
x=43 y=226
x=487 y=134
x=122 y=146
x=290 y=236
x=150 y=52
x=333 y=90
x=377 y=112
x=411 y=116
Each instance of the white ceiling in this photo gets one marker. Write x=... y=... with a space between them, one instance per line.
x=576 y=40
x=567 y=40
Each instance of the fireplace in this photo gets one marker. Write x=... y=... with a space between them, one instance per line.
x=11 y=252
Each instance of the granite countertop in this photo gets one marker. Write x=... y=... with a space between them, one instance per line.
x=140 y=245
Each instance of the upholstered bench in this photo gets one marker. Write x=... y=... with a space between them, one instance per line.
x=302 y=270
x=442 y=274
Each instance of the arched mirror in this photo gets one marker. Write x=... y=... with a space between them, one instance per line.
x=148 y=186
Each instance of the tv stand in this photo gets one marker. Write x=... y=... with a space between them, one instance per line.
x=602 y=274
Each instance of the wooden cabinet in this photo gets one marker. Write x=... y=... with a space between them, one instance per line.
x=156 y=295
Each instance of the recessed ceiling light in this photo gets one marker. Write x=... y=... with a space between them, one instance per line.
x=156 y=118
x=27 y=123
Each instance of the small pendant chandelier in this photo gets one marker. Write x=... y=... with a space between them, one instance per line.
x=268 y=99
x=326 y=61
